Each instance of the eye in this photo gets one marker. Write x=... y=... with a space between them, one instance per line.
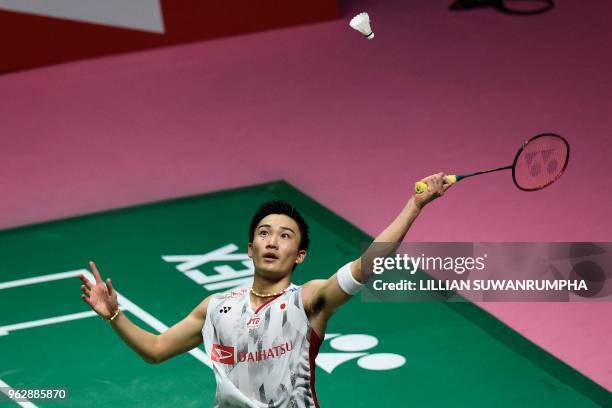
x=286 y=235
x=263 y=233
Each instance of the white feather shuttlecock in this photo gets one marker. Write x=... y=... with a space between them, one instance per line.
x=361 y=23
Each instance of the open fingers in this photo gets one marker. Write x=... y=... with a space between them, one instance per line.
x=85 y=290
x=94 y=269
x=109 y=286
x=86 y=300
x=86 y=282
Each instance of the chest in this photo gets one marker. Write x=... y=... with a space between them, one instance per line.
x=282 y=318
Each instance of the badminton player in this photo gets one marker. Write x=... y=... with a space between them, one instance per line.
x=262 y=341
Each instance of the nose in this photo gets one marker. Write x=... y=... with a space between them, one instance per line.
x=272 y=242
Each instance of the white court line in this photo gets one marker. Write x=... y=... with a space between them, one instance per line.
x=124 y=302
x=42 y=278
x=25 y=404
x=4 y=330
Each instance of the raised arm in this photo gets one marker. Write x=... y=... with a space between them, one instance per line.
x=323 y=296
x=153 y=348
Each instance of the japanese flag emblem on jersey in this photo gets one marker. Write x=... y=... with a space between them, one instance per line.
x=281 y=306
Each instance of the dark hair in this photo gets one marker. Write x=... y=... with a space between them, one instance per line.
x=284 y=208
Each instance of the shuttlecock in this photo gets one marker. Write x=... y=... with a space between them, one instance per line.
x=361 y=23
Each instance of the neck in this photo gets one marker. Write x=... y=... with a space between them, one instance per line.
x=265 y=286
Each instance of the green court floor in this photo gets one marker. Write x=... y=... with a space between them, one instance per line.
x=165 y=257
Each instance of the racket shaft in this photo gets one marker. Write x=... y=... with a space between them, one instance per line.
x=421 y=186
x=462 y=176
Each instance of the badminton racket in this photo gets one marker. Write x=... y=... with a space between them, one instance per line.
x=539 y=162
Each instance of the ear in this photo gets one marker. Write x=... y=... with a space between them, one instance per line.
x=250 y=249
x=301 y=256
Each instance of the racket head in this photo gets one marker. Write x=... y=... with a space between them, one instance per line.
x=540 y=161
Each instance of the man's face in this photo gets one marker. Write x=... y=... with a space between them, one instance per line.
x=274 y=248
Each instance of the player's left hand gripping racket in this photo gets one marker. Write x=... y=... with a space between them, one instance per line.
x=539 y=162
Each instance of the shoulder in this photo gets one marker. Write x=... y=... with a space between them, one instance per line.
x=309 y=293
x=201 y=309
x=312 y=286
x=217 y=299
x=232 y=294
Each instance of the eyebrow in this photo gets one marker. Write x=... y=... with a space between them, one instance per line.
x=269 y=226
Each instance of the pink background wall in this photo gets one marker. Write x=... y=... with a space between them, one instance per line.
x=352 y=123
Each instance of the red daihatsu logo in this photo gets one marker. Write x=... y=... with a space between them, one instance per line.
x=222 y=354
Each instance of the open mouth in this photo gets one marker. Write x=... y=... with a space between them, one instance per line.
x=269 y=256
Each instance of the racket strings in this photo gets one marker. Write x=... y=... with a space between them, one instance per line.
x=541 y=162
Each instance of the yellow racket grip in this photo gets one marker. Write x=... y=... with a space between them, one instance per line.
x=421 y=186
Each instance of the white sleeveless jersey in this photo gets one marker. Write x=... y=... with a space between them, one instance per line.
x=263 y=358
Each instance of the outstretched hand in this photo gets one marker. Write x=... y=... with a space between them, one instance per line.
x=437 y=184
x=99 y=295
